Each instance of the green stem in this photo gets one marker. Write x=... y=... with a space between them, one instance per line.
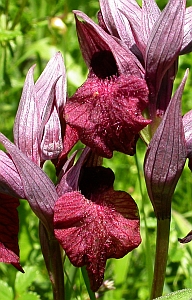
x=162 y=245
x=19 y=14
x=53 y=259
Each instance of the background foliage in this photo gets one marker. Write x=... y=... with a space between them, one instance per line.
x=31 y=31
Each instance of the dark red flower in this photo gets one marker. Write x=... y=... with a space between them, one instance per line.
x=106 y=111
x=97 y=223
x=9 y=227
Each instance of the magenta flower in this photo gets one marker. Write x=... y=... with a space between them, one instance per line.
x=106 y=111
x=92 y=221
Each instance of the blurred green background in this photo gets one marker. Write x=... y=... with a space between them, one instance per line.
x=31 y=31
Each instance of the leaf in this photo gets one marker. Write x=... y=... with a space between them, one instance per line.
x=23 y=281
x=8 y=35
x=179 y=295
x=6 y=292
x=29 y=296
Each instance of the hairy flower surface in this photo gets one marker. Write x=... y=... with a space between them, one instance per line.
x=97 y=223
x=107 y=113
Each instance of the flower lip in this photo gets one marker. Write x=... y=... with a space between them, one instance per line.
x=107 y=113
x=103 y=64
x=94 y=180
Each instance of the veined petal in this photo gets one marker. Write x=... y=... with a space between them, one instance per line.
x=166 y=89
x=187 y=124
x=166 y=157
x=10 y=181
x=150 y=14
x=93 y=40
x=52 y=144
x=116 y=23
x=133 y=13
x=26 y=126
x=164 y=45
x=38 y=188
x=9 y=228
x=53 y=74
x=187 y=37
x=69 y=180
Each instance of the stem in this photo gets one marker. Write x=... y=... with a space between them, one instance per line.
x=162 y=245
x=54 y=263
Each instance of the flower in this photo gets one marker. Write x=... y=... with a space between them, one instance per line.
x=156 y=38
x=106 y=111
x=9 y=227
x=166 y=156
x=20 y=177
x=39 y=125
x=92 y=221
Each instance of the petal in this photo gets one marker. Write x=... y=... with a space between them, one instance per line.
x=52 y=144
x=166 y=157
x=10 y=181
x=93 y=39
x=187 y=124
x=166 y=89
x=107 y=113
x=91 y=232
x=116 y=22
x=186 y=239
x=53 y=74
x=70 y=139
x=187 y=38
x=26 y=126
x=38 y=188
x=164 y=45
x=69 y=176
x=150 y=14
x=9 y=228
x=133 y=13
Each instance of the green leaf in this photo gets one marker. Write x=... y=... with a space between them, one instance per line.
x=7 y=35
x=23 y=281
x=179 y=295
x=6 y=292
x=86 y=280
x=29 y=296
